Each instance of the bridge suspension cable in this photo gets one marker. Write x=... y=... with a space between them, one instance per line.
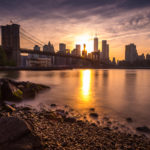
x=32 y=36
x=26 y=37
x=29 y=40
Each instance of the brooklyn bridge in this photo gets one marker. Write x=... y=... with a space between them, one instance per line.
x=12 y=34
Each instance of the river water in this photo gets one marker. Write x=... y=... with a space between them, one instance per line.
x=116 y=93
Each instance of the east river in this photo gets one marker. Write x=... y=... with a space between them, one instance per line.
x=116 y=93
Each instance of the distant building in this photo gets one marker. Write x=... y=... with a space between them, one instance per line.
x=148 y=57
x=49 y=48
x=105 y=51
x=141 y=57
x=95 y=44
x=62 y=48
x=78 y=48
x=114 y=61
x=96 y=56
x=74 y=52
x=68 y=51
x=45 y=48
x=38 y=62
x=90 y=55
x=84 y=51
x=131 y=53
x=36 y=48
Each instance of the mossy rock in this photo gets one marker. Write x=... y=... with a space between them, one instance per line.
x=18 y=94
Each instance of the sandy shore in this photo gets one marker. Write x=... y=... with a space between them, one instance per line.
x=57 y=131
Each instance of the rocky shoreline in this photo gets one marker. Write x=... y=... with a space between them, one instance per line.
x=25 y=128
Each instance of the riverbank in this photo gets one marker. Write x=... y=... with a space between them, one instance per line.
x=58 y=130
x=64 y=68
x=35 y=68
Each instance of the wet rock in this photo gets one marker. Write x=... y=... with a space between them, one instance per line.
x=129 y=120
x=80 y=122
x=53 y=105
x=61 y=112
x=143 y=129
x=26 y=108
x=107 y=128
x=93 y=124
x=9 y=91
x=16 y=134
x=94 y=115
x=64 y=144
x=70 y=119
x=14 y=91
x=106 y=118
x=92 y=109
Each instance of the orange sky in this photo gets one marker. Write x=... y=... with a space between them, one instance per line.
x=76 y=21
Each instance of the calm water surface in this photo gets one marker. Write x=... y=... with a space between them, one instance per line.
x=117 y=93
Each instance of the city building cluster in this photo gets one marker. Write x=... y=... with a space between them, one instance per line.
x=96 y=54
x=131 y=54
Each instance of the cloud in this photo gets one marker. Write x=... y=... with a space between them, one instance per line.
x=62 y=20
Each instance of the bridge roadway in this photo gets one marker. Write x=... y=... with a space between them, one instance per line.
x=30 y=51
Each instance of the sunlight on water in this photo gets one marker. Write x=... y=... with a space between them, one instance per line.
x=86 y=84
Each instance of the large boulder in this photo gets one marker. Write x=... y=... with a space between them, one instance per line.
x=16 y=134
x=11 y=90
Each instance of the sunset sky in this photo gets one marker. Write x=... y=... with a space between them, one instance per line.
x=72 y=21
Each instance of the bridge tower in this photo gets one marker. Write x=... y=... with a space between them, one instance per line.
x=11 y=42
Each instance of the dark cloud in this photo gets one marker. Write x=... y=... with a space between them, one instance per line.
x=67 y=8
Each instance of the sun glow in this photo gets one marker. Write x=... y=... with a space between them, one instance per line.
x=85 y=39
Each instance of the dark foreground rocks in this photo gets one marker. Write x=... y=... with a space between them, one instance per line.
x=14 y=91
x=16 y=134
x=143 y=129
x=52 y=130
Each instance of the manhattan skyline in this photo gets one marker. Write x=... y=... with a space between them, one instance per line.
x=76 y=22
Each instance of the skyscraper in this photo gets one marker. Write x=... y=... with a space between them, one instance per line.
x=105 y=50
x=130 y=53
x=78 y=48
x=49 y=48
x=62 y=47
x=84 y=52
x=95 y=44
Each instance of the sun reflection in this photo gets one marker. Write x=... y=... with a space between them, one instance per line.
x=86 y=84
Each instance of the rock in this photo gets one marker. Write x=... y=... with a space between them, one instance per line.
x=64 y=144
x=26 y=108
x=16 y=134
x=107 y=128
x=129 y=120
x=143 y=129
x=53 y=105
x=70 y=119
x=60 y=112
x=93 y=124
x=11 y=90
x=94 y=115
x=92 y=109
